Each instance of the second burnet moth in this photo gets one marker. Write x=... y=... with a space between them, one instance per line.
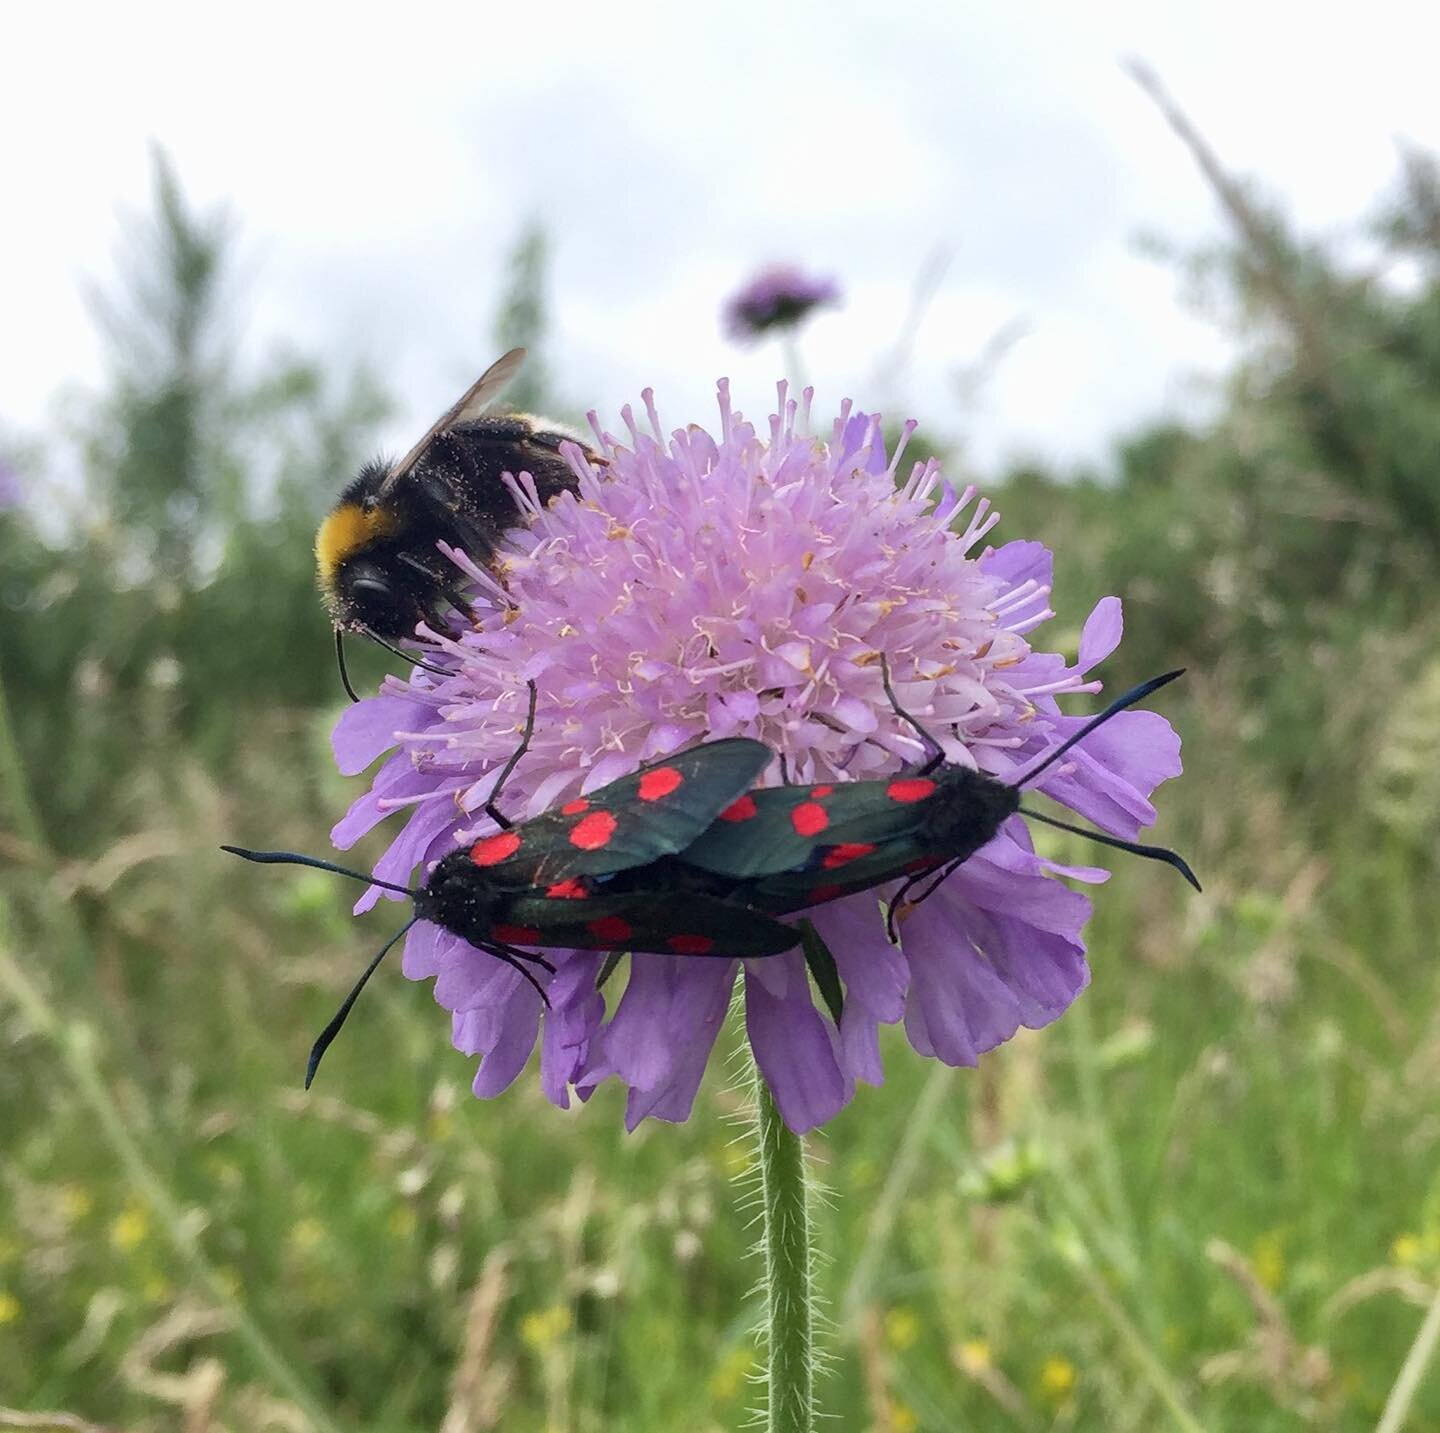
x=546 y=882
x=376 y=556
x=787 y=848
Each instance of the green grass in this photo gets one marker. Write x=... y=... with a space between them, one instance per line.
x=1208 y=1193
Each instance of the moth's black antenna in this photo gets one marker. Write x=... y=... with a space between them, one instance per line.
x=408 y=656
x=1135 y=694
x=491 y=810
x=937 y=753
x=340 y=662
x=294 y=858
x=1151 y=853
x=328 y=1034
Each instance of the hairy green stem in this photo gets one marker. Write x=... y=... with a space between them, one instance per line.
x=76 y=1044
x=789 y=1291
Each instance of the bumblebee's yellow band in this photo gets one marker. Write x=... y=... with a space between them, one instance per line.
x=348 y=530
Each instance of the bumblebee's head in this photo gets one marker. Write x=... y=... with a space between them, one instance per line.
x=371 y=600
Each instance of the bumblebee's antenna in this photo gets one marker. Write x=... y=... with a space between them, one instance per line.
x=328 y=1034
x=1135 y=694
x=340 y=662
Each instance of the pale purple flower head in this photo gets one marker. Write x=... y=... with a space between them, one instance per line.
x=746 y=583
x=779 y=296
x=12 y=490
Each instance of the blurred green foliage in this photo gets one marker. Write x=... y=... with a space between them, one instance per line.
x=1213 y=1182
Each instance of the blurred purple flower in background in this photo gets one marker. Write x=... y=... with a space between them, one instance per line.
x=12 y=490
x=744 y=584
x=779 y=296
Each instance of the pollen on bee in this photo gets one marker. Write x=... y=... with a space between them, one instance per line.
x=512 y=614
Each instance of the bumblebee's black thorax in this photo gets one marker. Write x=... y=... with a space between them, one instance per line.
x=378 y=564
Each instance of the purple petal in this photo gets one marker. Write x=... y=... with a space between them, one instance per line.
x=505 y=1046
x=1018 y=562
x=794 y=1049
x=1103 y=630
x=368 y=728
x=570 y=1024
x=958 y=1006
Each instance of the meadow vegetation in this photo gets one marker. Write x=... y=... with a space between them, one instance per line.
x=1207 y=1198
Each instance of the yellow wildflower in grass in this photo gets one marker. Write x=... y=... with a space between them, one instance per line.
x=156 y=1289
x=9 y=1307
x=544 y=1327
x=1268 y=1260
x=735 y=1158
x=731 y=1374
x=306 y=1234
x=129 y=1228
x=902 y=1418
x=1407 y=1249
x=1057 y=1378
x=974 y=1355
x=863 y=1172
x=902 y=1328
x=75 y=1203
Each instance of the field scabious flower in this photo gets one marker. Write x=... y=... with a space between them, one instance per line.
x=779 y=296
x=747 y=583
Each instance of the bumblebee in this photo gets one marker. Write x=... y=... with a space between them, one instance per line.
x=378 y=567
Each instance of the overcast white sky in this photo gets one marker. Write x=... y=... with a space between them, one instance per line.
x=382 y=160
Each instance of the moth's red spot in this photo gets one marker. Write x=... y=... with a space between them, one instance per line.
x=491 y=850
x=570 y=889
x=819 y=791
x=741 y=810
x=592 y=832
x=910 y=788
x=516 y=934
x=660 y=782
x=611 y=929
x=575 y=807
x=825 y=893
x=843 y=854
x=921 y=863
x=691 y=944
x=809 y=818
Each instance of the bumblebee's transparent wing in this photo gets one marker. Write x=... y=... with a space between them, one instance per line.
x=472 y=403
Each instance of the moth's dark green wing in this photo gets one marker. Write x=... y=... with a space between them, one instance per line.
x=660 y=922
x=817 y=884
x=781 y=827
x=655 y=811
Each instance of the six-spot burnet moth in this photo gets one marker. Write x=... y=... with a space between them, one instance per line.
x=682 y=858
x=795 y=846
x=543 y=882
